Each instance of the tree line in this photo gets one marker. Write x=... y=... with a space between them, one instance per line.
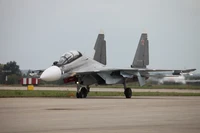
x=10 y=73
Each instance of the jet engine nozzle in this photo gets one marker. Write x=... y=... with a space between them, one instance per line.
x=52 y=73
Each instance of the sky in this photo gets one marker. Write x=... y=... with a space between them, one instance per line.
x=35 y=33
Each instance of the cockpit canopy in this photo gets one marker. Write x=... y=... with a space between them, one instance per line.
x=69 y=57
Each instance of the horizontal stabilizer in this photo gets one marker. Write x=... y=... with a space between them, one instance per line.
x=178 y=72
x=188 y=70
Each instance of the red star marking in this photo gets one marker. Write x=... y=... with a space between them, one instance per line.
x=142 y=42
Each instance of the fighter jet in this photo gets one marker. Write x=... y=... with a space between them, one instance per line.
x=73 y=66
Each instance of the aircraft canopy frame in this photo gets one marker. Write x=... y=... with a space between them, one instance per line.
x=68 y=57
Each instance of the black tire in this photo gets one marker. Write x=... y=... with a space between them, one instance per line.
x=128 y=92
x=83 y=92
x=77 y=95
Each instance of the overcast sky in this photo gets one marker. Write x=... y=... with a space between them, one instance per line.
x=34 y=33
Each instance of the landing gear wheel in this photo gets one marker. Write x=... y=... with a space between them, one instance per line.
x=128 y=92
x=82 y=94
x=77 y=95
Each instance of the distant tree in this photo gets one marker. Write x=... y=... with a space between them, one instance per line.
x=12 y=71
x=1 y=74
x=1 y=67
x=12 y=68
x=24 y=75
x=28 y=73
x=13 y=79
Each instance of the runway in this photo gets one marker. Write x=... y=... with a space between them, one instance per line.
x=100 y=114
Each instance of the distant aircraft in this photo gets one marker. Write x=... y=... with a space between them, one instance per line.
x=177 y=79
x=75 y=67
x=180 y=79
x=35 y=73
x=172 y=78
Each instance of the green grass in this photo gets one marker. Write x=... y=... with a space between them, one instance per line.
x=34 y=93
x=55 y=93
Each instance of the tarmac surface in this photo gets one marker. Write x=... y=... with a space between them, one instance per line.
x=100 y=114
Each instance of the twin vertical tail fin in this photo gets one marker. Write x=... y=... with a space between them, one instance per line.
x=100 y=49
x=141 y=59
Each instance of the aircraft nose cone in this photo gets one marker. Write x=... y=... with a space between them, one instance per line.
x=52 y=73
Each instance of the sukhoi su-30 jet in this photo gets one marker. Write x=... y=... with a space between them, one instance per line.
x=75 y=67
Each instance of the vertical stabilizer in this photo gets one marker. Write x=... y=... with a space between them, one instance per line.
x=100 y=49
x=141 y=59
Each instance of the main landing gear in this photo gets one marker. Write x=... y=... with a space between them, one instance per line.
x=82 y=91
x=127 y=91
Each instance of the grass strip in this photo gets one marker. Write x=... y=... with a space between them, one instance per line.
x=35 y=93
x=55 y=93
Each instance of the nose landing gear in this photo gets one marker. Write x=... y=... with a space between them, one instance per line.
x=82 y=91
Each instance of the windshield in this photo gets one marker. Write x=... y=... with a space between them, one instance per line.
x=69 y=57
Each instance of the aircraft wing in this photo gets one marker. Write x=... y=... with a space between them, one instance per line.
x=140 y=73
x=131 y=70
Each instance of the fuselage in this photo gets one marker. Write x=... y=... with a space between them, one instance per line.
x=83 y=63
x=64 y=70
